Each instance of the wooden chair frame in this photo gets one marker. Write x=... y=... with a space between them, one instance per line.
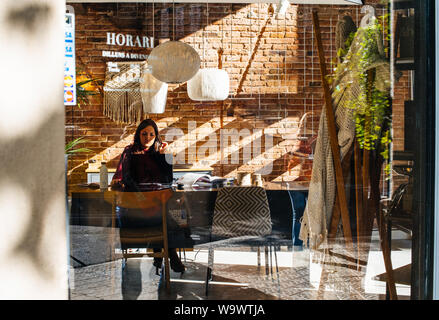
x=145 y=200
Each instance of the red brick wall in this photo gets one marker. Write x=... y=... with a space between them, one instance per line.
x=274 y=80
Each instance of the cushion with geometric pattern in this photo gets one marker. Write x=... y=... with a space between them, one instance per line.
x=241 y=211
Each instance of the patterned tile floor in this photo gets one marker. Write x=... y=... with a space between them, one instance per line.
x=298 y=276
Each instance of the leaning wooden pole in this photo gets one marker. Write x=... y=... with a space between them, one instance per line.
x=221 y=104
x=341 y=193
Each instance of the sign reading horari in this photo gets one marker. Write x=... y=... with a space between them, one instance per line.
x=127 y=40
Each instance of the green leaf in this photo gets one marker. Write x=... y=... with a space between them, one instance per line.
x=70 y=147
x=82 y=94
x=81 y=83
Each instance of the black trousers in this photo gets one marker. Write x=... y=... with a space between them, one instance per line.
x=135 y=218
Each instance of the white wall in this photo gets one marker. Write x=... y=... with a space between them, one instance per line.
x=33 y=251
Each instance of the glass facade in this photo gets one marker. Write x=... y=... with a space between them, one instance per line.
x=312 y=178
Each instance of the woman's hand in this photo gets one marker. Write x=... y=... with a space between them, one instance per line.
x=116 y=185
x=163 y=147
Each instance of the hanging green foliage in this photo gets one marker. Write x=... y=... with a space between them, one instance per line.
x=371 y=107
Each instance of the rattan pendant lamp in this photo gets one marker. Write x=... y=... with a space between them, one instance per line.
x=209 y=84
x=153 y=91
x=174 y=61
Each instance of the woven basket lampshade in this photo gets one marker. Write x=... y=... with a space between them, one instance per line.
x=154 y=93
x=209 y=84
x=174 y=62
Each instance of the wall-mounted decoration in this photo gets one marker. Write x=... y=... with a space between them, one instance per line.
x=130 y=91
x=122 y=99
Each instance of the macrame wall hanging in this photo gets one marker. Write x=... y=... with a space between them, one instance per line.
x=130 y=90
x=122 y=98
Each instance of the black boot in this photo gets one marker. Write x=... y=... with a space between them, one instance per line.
x=157 y=263
x=175 y=262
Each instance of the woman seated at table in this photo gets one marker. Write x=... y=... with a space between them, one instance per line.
x=143 y=167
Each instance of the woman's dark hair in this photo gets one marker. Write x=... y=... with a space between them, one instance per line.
x=145 y=123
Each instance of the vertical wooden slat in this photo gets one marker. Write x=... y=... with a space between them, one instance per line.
x=358 y=196
x=165 y=241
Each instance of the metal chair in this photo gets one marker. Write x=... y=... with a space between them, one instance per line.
x=239 y=212
x=394 y=213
